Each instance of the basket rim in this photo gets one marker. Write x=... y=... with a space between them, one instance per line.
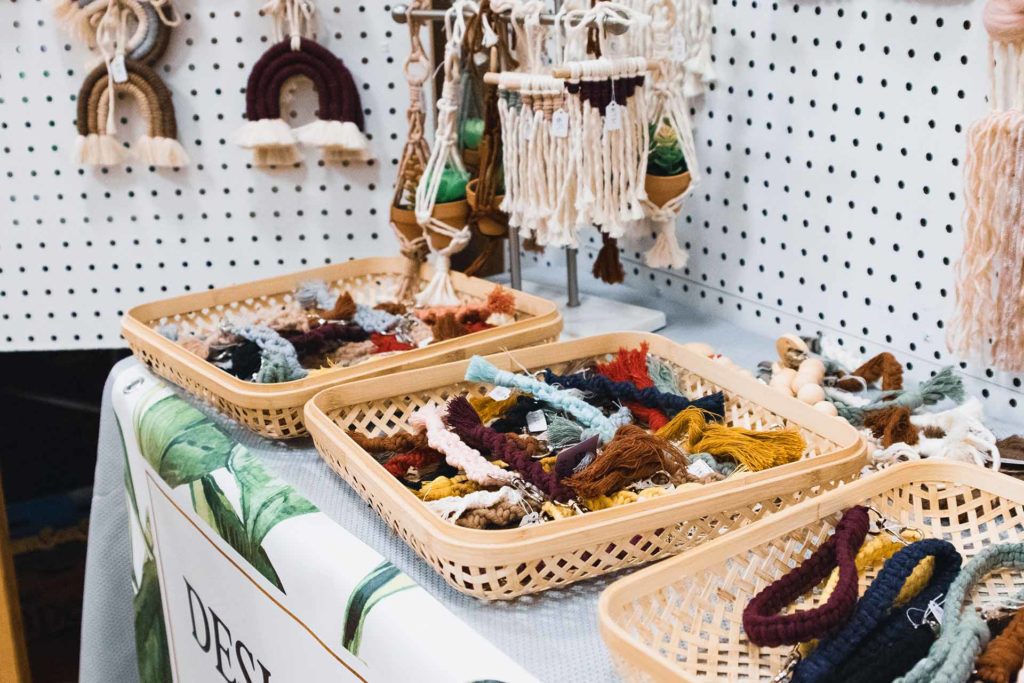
x=613 y=522
x=135 y=326
x=657 y=576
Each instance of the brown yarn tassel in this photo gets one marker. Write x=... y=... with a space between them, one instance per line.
x=892 y=425
x=630 y=456
x=607 y=266
x=1004 y=656
x=392 y=307
x=1011 y=447
x=933 y=432
x=399 y=443
x=883 y=367
x=447 y=327
x=344 y=308
x=530 y=244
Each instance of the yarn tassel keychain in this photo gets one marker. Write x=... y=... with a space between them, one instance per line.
x=990 y=273
x=444 y=217
x=411 y=240
x=672 y=170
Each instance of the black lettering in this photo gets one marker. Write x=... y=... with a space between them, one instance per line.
x=217 y=624
x=202 y=610
x=239 y=646
x=266 y=674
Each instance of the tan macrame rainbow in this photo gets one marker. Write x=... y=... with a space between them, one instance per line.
x=989 y=318
x=96 y=143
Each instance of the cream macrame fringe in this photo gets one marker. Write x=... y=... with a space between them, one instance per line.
x=990 y=273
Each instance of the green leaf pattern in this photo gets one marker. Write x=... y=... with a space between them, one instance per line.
x=384 y=580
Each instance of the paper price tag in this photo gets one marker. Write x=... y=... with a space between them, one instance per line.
x=699 y=469
x=536 y=422
x=528 y=127
x=118 y=70
x=560 y=124
x=613 y=116
x=500 y=393
x=935 y=611
x=678 y=48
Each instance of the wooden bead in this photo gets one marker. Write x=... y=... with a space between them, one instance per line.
x=826 y=407
x=811 y=394
x=792 y=350
x=813 y=367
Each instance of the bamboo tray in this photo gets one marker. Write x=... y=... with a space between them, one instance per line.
x=682 y=619
x=501 y=564
x=275 y=410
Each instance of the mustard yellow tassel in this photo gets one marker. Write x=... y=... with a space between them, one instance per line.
x=443 y=487
x=488 y=409
x=756 y=450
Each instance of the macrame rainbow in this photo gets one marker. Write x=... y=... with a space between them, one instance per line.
x=338 y=128
x=96 y=144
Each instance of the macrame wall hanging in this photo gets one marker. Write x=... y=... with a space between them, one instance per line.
x=338 y=129
x=131 y=35
x=575 y=137
x=989 y=317
x=441 y=207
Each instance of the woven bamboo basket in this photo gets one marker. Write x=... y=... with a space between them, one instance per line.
x=682 y=620
x=502 y=564
x=275 y=410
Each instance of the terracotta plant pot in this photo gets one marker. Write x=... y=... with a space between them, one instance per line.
x=471 y=157
x=489 y=225
x=663 y=189
x=454 y=214
x=405 y=221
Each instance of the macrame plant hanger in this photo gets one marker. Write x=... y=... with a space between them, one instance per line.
x=488 y=33
x=445 y=225
x=670 y=119
x=411 y=239
x=989 y=317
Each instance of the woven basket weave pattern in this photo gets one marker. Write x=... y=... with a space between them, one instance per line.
x=690 y=628
x=530 y=568
x=275 y=411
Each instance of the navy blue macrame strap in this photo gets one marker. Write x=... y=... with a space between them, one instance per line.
x=610 y=390
x=874 y=622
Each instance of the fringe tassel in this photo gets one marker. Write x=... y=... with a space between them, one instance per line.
x=607 y=266
x=666 y=252
x=99 y=150
x=439 y=291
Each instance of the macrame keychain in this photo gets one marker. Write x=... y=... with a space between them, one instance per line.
x=118 y=74
x=149 y=38
x=990 y=273
x=338 y=130
x=672 y=170
x=445 y=223
x=411 y=240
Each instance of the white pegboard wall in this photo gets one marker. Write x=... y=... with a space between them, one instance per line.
x=832 y=150
x=79 y=246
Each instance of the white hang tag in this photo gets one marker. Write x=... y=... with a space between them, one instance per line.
x=500 y=393
x=613 y=116
x=560 y=124
x=536 y=422
x=529 y=125
x=934 y=611
x=699 y=469
x=118 y=71
x=678 y=48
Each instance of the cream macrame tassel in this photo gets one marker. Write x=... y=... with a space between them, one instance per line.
x=292 y=19
x=439 y=291
x=990 y=273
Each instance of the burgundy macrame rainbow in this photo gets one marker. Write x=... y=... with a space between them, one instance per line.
x=339 y=124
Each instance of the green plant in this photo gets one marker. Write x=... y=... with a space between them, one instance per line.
x=665 y=156
x=453 y=185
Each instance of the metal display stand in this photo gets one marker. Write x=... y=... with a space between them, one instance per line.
x=586 y=315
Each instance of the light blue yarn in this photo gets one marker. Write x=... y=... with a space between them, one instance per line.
x=373 y=320
x=662 y=375
x=278 y=360
x=314 y=294
x=563 y=432
x=480 y=370
x=169 y=330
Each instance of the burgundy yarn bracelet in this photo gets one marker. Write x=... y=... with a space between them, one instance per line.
x=761 y=619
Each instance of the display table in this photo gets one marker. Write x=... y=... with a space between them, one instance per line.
x=552 y=636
